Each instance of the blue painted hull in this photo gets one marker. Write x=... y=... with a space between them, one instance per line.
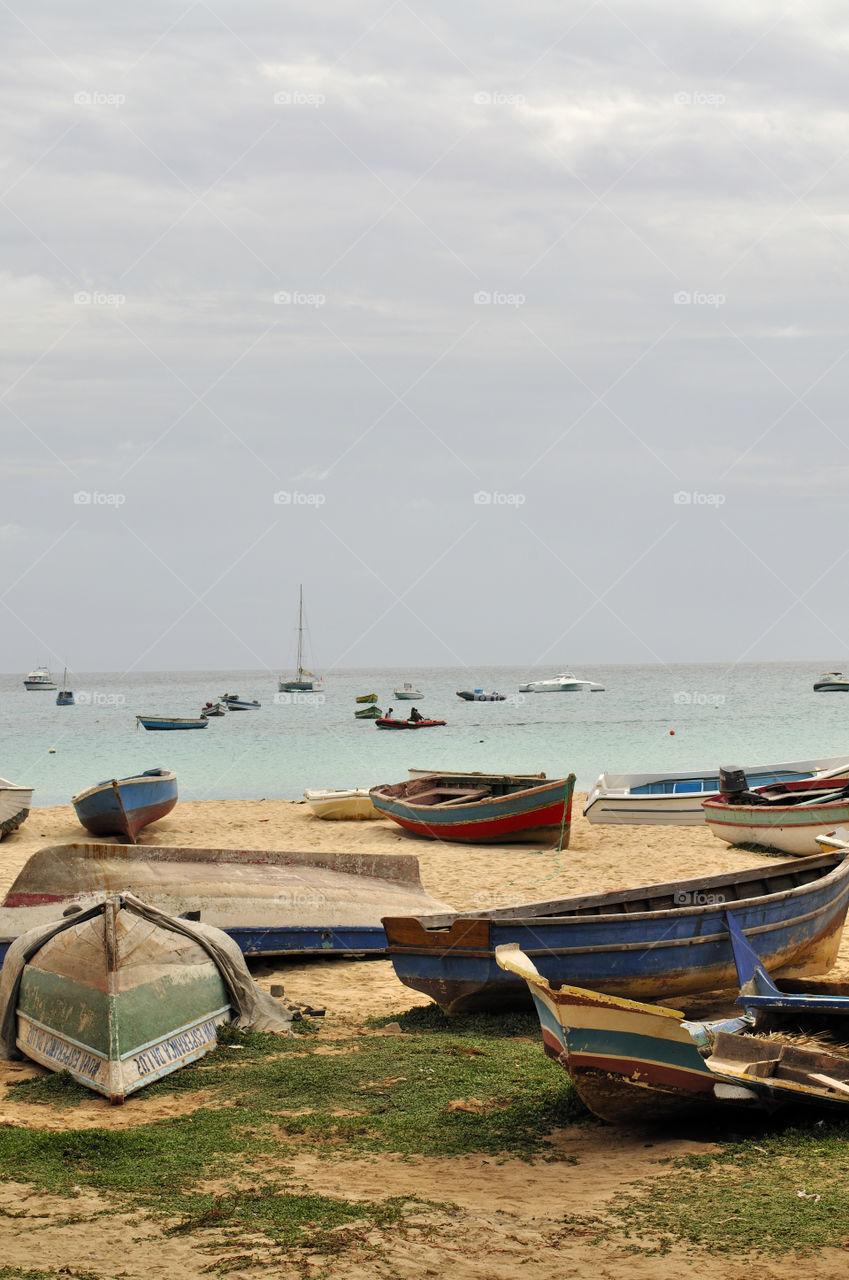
x=162 y=722
x=139 y=801
x=647 y=955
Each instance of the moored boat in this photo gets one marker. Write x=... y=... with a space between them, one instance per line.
x=15 y=804
x=120 y=995
x=212 y=710
x=123 y=807
x=637 y=1063
x=787 y=816
x=233 y=702
x=271 y=902
x=304 y=681
x=831 y=682
x=407 y=693
x=566 y=682
x=480 y=808
x=647 y=943
x=675 y=799
x=341 y=805
x=478 y=695
x=170 y=722
x=40 y=678
x=65 y=696
x=367 y=697
x=368 y=713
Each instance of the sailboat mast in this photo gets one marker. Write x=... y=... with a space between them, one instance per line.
x=300 y=628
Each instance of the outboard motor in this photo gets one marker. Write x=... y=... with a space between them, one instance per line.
x=735 y=787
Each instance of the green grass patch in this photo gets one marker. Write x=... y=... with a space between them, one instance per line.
x=777 y=1192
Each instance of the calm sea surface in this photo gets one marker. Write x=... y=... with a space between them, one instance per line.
x=755 y=714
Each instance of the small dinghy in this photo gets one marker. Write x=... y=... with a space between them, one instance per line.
x=234 y=703
x=339 y=805
x=121 y=994
x=478 y=695
x=15 y=804
x=171 y=722
x=122 y=807
x=384 y=723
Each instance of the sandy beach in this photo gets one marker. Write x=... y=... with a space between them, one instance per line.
x=508 y=1211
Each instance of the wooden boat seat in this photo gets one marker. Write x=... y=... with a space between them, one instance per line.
x=449 y=795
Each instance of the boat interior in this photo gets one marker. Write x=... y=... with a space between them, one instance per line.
x=802 y=793
x=453 y=789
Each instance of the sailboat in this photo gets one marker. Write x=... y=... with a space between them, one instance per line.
x=304 y=681
x=65 y=696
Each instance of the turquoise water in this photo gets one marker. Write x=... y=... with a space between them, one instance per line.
x=749 y=714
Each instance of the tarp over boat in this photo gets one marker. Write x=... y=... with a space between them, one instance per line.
x=271 y=902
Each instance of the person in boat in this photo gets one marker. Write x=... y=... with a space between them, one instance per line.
x=388 y=715
x=416 y=715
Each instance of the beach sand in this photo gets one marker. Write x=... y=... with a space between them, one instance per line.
x=510 y=1213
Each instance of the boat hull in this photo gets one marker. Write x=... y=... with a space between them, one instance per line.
x=528 y=814
x=353 y=805
x=269 y=901
x=15 y=804
x=408 y=724
x=367 y=697
x=791 y=828
x=168 y=723
x=125 y=807
x=473 y=696
x=616 y=944
x=647 y=799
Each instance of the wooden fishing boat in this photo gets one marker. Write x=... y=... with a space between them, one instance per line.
x=212 y=710
x=341 y=805
x=478 y=695
x=633 y=1062
x=269 y=901
x=15 y=804
x=480 y=808
x=170 y=722
x=383 y=723
x=368 y=713
x=647 y=943
x=786 y=816
x=675 y=799
x=117 y=1000
x=122 y=807
x=367 y=697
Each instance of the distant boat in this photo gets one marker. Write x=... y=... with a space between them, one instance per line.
x=65 y=697
x=383 y=723
x=408 y=693
x=122 y=807
x=39 y=679
x=170 y=722
x=117 y=999
x=234 y=703
x=367 y=697
x=566 y=682
x=304 y=681
x=478 y=695
x=15 y=804
x=211 y=709
x=479 y=808
x=831 y=682
x=369 y=713
x=341 y=805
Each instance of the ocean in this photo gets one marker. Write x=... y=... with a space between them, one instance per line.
x=649 y=718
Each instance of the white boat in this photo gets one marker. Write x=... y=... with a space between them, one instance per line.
x=340 y=805
x=304 y=681
x=39 y=679
x=831 y=682
x=675 y=800
x=15 y=804
x=566 y=682
x=407 y=693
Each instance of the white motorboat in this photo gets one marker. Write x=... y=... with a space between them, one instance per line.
x=15 y=804
x=566 y=682
x=39 y=679
x=675 y=800
x=831 y=682
x=304 y=681
x=340 y=805
x=407 y=693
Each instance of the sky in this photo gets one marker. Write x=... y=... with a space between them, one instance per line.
x=517 y=334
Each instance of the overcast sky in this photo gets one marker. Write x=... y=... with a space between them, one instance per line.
x=518 y=334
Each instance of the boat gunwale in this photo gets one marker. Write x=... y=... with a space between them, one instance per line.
x=543 y=786
x=168 y=775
